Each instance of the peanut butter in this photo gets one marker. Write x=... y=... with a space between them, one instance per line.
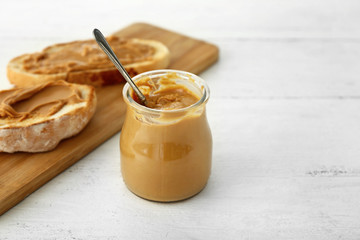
x=164 y=93
x=84 y=55
x=166 y=147
x=40 y=101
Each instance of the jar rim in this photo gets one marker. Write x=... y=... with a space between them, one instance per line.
x=199 y=82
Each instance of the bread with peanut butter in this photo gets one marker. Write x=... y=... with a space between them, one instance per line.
x=85 y=63
x=36 y=119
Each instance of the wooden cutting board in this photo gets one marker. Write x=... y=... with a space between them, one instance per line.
x=23 y=173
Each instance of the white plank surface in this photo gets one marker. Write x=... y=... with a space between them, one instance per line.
x=284 y=112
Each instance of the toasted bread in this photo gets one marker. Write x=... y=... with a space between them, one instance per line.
x=84 y=62
x=36 y=119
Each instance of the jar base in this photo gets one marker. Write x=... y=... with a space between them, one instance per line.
x=167 y=201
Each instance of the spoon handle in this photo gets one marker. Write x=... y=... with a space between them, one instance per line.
x=100 y=39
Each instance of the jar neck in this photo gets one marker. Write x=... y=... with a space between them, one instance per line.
x=194 y=80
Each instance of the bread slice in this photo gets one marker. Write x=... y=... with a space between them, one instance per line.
x=36 y=119
x=84 y=62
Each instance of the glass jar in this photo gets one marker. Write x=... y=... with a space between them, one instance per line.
x=166 y=154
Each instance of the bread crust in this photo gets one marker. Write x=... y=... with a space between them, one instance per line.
x=95 y=77
x=44 y=134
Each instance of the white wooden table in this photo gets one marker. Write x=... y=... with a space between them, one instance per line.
x=284 y=113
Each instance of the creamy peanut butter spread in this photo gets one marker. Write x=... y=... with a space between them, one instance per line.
x=83 y=55
x=166 y=155
x=164 y=93
x=40 y=101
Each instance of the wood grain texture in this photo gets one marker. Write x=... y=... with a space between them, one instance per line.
x=23 y=173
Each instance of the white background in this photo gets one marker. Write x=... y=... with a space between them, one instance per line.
x=284 y=113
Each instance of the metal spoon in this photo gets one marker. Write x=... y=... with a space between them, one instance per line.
x=100 y=39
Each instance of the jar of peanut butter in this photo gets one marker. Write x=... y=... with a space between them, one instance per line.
x=166 y=147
